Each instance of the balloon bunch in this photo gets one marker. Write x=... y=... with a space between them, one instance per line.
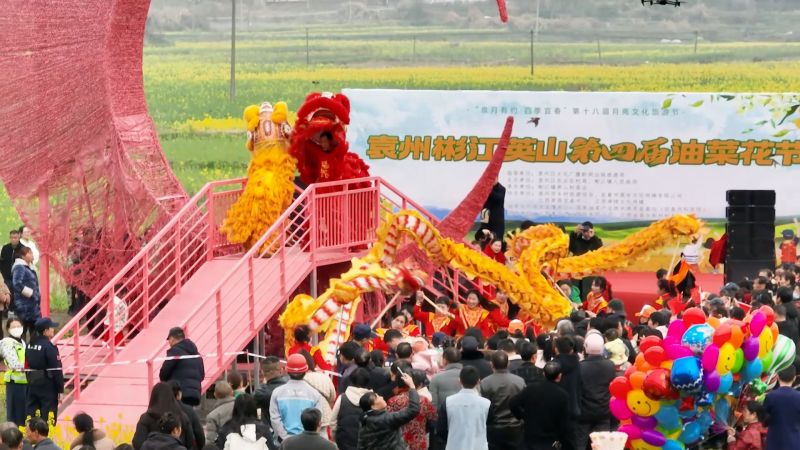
x=683 y=384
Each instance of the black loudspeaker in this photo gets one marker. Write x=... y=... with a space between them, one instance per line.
x=751 y=233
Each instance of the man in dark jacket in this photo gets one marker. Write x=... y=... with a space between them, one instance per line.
x=583 y=240
x=309 y=439
x=380 y=430
x=570 y=379
x=194 y=419
x=45 y=377
x=596 y=375
x=503 y=430
x=7 y=256
x=472 y=356
x=542 y=406
x=189 y=373
x=528 y=370
x=274 y=376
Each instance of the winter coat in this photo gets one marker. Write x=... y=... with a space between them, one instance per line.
x=161 y=441
x=596 y=375
x=148 y=425
x=499 y=388
x=25 y=287
x=288 y=402
x=528 y=372
x=189 y=373
x=753 y=437
x=571 y=382
x=445 y=383
x=478 y=361
x=263 y=394
x=101 y=442
x=543 y=408
x=380 y=430
x=308 y=441
x=462 y=421
x=218 y=417
x=347 y=413
x=198 y=438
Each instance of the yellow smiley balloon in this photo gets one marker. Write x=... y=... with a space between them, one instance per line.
x=727 y=357
x=765 y=342
x=641 y=405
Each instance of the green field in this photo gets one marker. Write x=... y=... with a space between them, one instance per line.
x=187 y=78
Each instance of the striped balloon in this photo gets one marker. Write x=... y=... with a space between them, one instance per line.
x=782 y=354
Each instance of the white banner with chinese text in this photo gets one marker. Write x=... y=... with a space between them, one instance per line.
x=608 y=157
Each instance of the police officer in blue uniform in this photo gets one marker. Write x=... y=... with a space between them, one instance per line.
x=45 y=377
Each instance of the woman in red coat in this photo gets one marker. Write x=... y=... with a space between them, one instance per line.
x=441 y=319
x=478 y=313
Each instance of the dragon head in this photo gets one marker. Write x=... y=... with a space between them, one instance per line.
x=321 y=125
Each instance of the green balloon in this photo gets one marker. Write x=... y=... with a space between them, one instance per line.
x=738 y=361
x=766 y=362
x=782 y=354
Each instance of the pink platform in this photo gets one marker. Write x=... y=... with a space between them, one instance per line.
x=637 y=289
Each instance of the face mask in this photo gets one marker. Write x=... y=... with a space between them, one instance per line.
x=16 y=332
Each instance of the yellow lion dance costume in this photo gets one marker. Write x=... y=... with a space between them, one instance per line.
x=270 y=176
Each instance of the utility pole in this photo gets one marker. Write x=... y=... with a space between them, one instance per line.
x=696 y=37
x=233 y=50
x=533 y=60
x=414 y=49
x=308 y=57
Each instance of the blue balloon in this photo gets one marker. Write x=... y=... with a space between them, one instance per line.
x=691 y=433
x=704 y=399
x=725 y=383
x=673 y=445
x=698 y=337
x=705 y=421
x=751 y=370
x=722 y=411
x=668 y=417
x=736 y=389
x=687 y=375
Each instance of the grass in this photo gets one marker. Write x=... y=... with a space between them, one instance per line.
x=187 y=80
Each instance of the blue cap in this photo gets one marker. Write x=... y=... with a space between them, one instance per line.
x=44 y=323
x=363 y=331
x=438 y=339
x=788 y=234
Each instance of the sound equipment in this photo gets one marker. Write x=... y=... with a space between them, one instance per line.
x=751 y=233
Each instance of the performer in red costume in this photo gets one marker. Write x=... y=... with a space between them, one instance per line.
x=302 y=337
x=479 y=313
x=441 y=319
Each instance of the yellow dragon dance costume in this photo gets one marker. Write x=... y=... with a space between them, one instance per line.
x=270 y=176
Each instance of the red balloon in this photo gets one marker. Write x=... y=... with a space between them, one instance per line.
x=693 y=316
x=657 y=386
x=655 y=356
x=630 y=370
x=648 y=342
x=619 y=387
x=687 y=404
x=769 y=313
x=722 y=334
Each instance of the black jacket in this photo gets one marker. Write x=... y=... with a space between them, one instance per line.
x=148 y=426
x=40 y=355
x=578 y=245
x=495 y=204
x=307 y=441
x=161 y=441
x=478 y=361
x=529 y=372
x=7 y=262
x=263 y=395
x=189 y=373
x=380 y=430
x=596 y=375
x=197 y=427
x=543 y=408
x=571 y=382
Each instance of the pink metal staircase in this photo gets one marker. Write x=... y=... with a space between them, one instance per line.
x=190 y=276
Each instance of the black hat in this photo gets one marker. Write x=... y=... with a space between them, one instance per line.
x=44 y=323
x=363 y=331
x=587 y=224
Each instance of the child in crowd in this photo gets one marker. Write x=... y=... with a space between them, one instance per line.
x=617 y=350
x=753 y=434
x=788 y=247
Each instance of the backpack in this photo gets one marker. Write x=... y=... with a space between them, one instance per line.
x=245 y=439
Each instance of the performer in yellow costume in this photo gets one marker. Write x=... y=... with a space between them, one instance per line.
x=270 y=177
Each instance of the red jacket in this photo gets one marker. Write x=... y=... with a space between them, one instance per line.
x=315 y=353
x=751 y=438
x=427 y=320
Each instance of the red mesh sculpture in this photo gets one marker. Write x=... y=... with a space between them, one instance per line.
x=74 y=131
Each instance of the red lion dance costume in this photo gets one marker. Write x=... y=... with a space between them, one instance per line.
x=325 y=114
x=319 y=143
